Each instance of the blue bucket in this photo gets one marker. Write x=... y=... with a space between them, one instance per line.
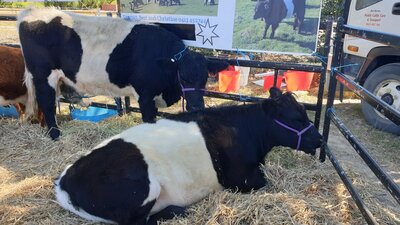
x=8 y=111
x=93 y=114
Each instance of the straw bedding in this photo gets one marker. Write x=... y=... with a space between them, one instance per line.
x=301 y=190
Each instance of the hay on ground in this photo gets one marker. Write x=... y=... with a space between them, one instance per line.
x=300 y=191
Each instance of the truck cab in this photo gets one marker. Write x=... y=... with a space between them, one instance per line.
x=378 y=65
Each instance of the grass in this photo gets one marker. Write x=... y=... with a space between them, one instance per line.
x=187 y=7
x=248 y=32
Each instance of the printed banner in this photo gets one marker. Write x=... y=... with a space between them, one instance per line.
x=39 y=0
x=277 y=26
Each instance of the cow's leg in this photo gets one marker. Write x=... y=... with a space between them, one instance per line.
x=46 y=99
x=296 y=21
x=166 y=214
x=274 y=26
x=300 y=24
x=265 y=30
x=20 y=110
x=148 y=109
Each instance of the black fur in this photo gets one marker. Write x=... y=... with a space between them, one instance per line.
x=142 y=60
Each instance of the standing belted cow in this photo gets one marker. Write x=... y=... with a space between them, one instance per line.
x=153 y=171
x=108 y=56
x=274 y=11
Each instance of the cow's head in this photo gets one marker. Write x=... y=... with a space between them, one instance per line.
x=291 y=125
x=262 y=9
x=193 y=70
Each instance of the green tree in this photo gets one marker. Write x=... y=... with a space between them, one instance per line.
x=332 y=9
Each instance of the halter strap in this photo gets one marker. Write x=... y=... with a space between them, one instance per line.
x=179 y=55
x=185 y=90
x=299 y=133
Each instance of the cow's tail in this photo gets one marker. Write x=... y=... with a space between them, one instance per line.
x=31 y=104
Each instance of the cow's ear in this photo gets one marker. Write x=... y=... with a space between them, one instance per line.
x=270 y=107
x=274 y=92
x=166 y=63
x=214 y=66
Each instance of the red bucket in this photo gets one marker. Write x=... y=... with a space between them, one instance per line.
x=269 y=82
x=298 y=80
x=229 y=81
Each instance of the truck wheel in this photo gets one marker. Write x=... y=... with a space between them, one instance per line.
x=384 y=82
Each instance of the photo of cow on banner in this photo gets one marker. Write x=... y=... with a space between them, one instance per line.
x=274 y=26
x=180 y=7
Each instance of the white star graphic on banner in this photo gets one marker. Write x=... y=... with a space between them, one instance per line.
x=207 y=32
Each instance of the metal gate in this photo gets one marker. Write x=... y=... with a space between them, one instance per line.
x=330 y=115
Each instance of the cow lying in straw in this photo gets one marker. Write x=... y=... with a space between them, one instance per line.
x=153 y=171
x=108 y=56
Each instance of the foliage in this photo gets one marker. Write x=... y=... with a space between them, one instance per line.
x=332 y=9
x=188 y=7
x=81 y=4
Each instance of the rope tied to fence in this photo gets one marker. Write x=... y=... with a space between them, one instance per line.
x=343 y=66
x=322 y=59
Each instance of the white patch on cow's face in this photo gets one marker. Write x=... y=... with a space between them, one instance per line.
x=21 y=99
x=160 y=102
x=177 y=157
x=64 y=200
x=45 y=15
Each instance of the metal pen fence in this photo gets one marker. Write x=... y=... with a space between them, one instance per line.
x=378 y=104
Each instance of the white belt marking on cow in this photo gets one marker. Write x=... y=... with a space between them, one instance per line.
x=290 y=8
x=99 y=36
x=154 y=190
x=45 y=15
x=177 y=157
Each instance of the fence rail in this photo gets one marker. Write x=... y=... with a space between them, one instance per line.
x=330 y=115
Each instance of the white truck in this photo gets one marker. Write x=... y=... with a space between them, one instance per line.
x=379 y=65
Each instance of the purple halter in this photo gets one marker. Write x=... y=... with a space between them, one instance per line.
x=185 y=90
x=299 y=133
x=178 y=56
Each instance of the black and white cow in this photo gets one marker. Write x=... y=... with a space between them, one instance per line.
x=108 y=56
x=274 y=11
x=296 y=9
x=153 y=171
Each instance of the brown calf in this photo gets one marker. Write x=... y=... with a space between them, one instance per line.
x=12 y=87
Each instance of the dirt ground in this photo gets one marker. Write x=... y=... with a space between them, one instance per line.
x=384 y=147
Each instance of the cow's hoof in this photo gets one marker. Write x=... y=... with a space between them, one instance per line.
x=149 y=121
x=54 y=134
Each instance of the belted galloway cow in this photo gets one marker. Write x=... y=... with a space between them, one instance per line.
x=108 y=56
x=153 y=171
x=274 y=11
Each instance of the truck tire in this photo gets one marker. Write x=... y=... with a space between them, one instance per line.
x=383 y=82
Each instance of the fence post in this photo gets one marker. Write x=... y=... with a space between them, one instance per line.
x=322 y=77
x=337 y=54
